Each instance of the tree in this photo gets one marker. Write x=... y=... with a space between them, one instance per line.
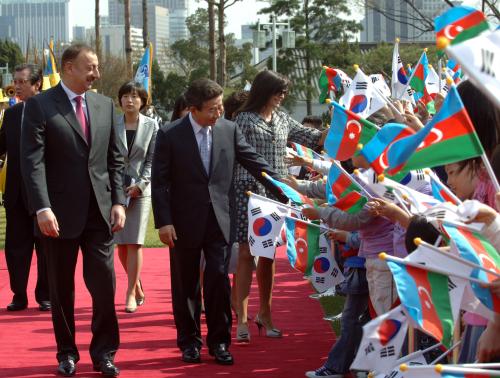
x=211 y=40
x=318 y=24
x=145 y=35
x=97 y=27
x=113 y=75
x=11 y=54
x=128 y=43
x=222 y=5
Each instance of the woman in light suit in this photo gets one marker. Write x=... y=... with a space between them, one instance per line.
x=137 y=135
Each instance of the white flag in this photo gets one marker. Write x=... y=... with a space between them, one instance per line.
x=325 y=272
x=265 y=221
x=361 y=97
x=415 y=359
x=382 y=341
x=399 y=77
x=480 y=60
x=432 y=81
x=380 y=83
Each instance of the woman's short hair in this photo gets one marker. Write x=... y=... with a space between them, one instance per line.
x=265 y=85
x=419 y=227
x=133 y=87
x=179 y=106
x=233 y=103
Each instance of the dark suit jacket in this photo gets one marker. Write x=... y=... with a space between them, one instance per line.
x=182 y=192
x=60 y=169
x=10 y=144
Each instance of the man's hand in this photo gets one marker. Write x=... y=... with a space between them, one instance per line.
x=291 y=181
x=133 y=191
x=117 y=218
x=47 y=223
x=167 y=235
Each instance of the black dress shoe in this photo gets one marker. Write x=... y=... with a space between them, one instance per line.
x=17 y=306
x=66 y=368
x=44 y=306
x=191 y=355
x=221 y=354
x=107 y=368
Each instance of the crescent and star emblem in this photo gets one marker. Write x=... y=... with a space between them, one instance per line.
x=426 y=297
x=300 y=245
x=451 y=31
x=353 y=132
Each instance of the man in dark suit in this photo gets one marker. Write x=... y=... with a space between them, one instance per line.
x=19 y=233
x=191 y=182
x=73 y=169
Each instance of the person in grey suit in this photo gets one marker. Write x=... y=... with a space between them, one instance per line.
x=136 y=136
x=191 y=182
x=73 y=171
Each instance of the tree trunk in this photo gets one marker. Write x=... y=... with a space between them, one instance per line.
x=97 y=28
x=145 y=26
x=211 y=39
x=308 y=59
x=128 y=43
x=222 y=45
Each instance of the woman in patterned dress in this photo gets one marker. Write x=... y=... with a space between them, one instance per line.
x=268 y=130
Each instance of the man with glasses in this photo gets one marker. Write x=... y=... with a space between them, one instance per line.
x=191 y=181
x=19 y=236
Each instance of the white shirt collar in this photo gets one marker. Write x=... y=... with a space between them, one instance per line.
x=71 y=95
x=196 y=125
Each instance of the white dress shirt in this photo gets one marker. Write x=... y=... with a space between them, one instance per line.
x=197 y=132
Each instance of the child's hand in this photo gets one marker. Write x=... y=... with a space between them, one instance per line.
x=311 y=213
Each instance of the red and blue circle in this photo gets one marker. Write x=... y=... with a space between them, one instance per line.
x=402 y=76
x=262 y=226
x=388 y=330
x=358 y=103
x=321 y=265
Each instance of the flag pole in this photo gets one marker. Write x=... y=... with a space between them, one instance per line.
x=458 y=369
x=339 y=166
x=385 y=256
x=440 y=68
x=490 y=171
x=310 y=223
x=400 y=200
x=419 y=241
x=411 y=76
x=433 y=176
x=273 y=201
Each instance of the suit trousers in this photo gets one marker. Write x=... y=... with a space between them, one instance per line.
x=96 y=243
x=186 y=295
x=19 y=241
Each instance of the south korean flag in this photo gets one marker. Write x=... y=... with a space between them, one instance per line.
x=325 y=273
x=265 y=221
x=382 y=341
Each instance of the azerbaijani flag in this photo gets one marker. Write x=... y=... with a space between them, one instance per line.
x=419 y=76
x=454 y=70
x=459 y=24
x=439 y=192
x=304 y=151
x=347 y=130
x=343 y=192
x=294 y=196
x=449 y=137
x=329 y=80
x=375 y=151
x=475 y=248
x=425 y=296
x=302 y=245
x=455 y=374
x=143 y=74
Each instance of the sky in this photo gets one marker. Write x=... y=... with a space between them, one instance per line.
x=81 y=12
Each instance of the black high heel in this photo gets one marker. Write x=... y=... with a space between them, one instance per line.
x=270 y=332
x=140 y=300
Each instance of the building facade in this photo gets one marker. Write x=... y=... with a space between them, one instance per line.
x=79 y=33
x=34 y=20
x=113 y=41
x=401 y=21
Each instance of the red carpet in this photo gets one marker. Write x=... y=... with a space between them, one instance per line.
x=148 y=349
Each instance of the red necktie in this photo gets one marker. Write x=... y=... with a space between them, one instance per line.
x=80 y=116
